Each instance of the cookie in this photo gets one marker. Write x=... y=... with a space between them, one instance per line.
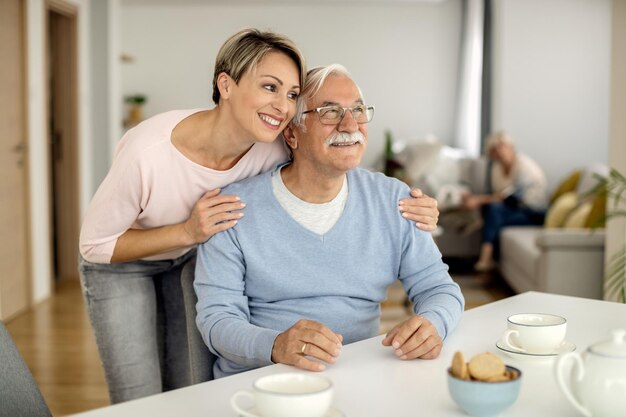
x=486 y=365
x=511 y=374
x=459 y=367
x=499 y=378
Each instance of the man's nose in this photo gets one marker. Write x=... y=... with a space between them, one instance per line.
x=348 y=123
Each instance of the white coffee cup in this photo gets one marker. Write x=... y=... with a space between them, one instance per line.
x=536 y=333
x=287 y=395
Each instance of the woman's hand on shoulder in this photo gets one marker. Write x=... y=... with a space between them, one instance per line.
x=421 y=209
x=213 y=213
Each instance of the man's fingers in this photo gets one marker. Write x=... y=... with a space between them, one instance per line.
x=419 y=348
x=320 y=328
x=309 y=364
x=390 y=335
x=305 y=344
x=417 y=338
x=316 y=352
x=406 y=330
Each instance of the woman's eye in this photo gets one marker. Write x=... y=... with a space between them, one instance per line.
x=293 y=95
x=270 y=87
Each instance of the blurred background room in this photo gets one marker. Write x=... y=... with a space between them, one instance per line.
x=443 y=75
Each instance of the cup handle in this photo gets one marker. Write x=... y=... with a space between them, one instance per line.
x=507 y=339
x=560 y=378
x=233 y=403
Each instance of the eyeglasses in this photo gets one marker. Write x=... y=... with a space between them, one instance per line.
x=332 y=115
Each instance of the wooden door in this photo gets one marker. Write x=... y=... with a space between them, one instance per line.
x=63 y=90
x=14 y=275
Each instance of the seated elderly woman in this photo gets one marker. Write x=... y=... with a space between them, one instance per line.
x=516 y=196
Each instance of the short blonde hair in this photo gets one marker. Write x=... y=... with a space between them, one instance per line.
x=498 y=138
x=246 y=48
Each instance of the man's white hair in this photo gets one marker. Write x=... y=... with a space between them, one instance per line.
x=315 y=79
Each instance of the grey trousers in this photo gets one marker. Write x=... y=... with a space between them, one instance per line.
x=137 y=313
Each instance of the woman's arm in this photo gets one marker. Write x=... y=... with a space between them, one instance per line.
x=212 y=214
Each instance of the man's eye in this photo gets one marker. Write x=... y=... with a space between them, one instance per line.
x=358 y=110
x=331 y=113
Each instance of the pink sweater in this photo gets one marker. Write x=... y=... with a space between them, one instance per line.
x=152 y=184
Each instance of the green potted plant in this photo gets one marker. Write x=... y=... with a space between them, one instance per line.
x=135 y=101
x=615 y=275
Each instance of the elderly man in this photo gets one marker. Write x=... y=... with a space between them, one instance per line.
x=304 y=272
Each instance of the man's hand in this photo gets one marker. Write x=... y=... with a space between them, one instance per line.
x=422 y=209
x=305 y=339
x=414 y=338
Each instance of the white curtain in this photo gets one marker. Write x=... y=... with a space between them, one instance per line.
x=468 y=117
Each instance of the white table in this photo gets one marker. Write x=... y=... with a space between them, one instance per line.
x=371 y=382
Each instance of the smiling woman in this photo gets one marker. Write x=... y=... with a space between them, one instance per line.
x=161 y=197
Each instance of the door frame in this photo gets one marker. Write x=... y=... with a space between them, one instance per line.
x=64 y=237
x=25 y=143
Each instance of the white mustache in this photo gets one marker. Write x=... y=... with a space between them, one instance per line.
x=344 y=137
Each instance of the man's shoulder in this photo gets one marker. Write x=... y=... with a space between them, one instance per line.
x=249 y=186
x=378 y=181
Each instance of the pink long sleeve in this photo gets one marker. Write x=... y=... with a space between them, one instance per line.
x=151 y=184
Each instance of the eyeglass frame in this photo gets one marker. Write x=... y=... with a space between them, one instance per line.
x=343 y=112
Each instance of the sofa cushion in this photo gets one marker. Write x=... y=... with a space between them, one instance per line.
x=578 y=217
x=519 y=248
x=568 y=184
x=560 y=209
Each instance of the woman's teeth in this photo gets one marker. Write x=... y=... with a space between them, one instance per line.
x=269 y=120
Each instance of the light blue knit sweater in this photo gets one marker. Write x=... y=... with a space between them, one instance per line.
x=259 y=278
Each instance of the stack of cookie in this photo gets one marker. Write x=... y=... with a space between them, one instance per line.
x=484 y=386
x=484 y=367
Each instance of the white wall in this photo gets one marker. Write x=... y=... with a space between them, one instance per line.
x=404 y=56
x=552 y=80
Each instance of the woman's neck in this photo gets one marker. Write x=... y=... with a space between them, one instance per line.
x=211 y=139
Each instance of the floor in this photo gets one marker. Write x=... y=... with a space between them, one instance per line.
x=56 y=341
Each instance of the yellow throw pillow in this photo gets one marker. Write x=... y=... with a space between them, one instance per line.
x=578 y=217
x=568 y=184
x=560 y=209
x=597 y=216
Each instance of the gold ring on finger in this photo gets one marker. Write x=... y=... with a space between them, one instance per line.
x=303 y=348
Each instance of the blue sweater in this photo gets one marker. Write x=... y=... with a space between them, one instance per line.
x=259 y=278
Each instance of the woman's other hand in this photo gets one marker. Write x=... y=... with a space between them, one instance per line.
x=422 y=209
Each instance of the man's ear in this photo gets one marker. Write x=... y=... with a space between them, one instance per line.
x=224 y=83
x=290 y=137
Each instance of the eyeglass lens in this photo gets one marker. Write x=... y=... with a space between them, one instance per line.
x=334 y=114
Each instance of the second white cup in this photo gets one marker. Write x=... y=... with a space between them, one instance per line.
x=536 y=333
x=287 y=395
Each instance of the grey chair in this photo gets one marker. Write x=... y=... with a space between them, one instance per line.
x=19 y=394
x=200 y=357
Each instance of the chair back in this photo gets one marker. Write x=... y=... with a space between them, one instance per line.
x=200 y=357
x=19 y=394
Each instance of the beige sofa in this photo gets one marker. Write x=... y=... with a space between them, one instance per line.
x=559 y=261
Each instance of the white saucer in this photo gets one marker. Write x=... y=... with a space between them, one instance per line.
x=333 y=412
x=564 y=348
